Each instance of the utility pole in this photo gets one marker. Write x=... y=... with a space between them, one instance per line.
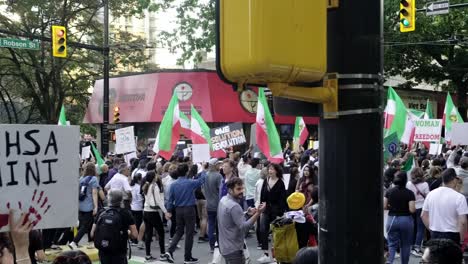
x=351 y=206
x=105 y=98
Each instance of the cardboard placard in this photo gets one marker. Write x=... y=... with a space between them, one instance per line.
x=435 y=149
x=85 y=152
x=227 y=136
x=125 y=140
x=200 y=153
x=130 y=156
x=459 y=134
x=39 y=174
x=428 y=130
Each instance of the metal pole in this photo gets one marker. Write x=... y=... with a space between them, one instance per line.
x=350 y=179
x=105 y=112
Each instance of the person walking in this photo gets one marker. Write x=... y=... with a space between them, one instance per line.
x=154 y=206
x=182 y=198
x=88 y=203
x=420 y=189
x=274 y=195
x=211 y=191
x=252 y=175
x=137 y=204
x=121 y=182
x=232 y=224
x=444 y=211
x=401 y=205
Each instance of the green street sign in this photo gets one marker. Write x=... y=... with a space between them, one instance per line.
x=19 y=44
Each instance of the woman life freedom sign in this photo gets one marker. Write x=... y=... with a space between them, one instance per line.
x=428 y=130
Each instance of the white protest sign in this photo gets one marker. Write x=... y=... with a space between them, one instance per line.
x=200 y=153
x=85 y=152
x=186 y=152
x=316 y=144
x=435 y=149
x=130 y=156
x=39 y=174
x=427 y=130
x=459 y=134
x=125 y=140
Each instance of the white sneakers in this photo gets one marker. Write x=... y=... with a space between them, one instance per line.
x=265 y=259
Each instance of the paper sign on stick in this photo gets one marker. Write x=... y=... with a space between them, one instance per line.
x=39 y=174
x=200 y=153
x=435 y=149
x=130 y=156
x=428 y=130
x=85 y=152
x=125 y=140
x=459 y=134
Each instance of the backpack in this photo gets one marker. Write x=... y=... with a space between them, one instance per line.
x=110 y=235
x=84 y=188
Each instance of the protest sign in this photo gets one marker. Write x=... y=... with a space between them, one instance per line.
x=428 y=130
x=85 y=152
x=39 y=174
x=200 y=153
x=227 y=136
x=128 y=157
x=316 y=145
x=459 y=134
x=391 y=146
x=125 y=140
x=435 y=149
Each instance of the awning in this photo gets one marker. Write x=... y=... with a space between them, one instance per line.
x=144 y=98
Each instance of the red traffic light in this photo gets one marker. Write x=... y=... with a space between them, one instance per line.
x=60 y=33
x=116 y=109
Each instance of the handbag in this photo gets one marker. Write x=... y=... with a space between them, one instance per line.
x=419 y=192
x=155 y=206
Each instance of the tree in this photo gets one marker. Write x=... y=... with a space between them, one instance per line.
x=436 y=52
x=33 y=84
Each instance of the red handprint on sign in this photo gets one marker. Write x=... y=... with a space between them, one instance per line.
x=39 y=207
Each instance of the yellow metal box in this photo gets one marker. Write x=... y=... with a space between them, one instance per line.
x=266 y=41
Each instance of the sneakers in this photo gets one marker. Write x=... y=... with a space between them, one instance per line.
x=202 y=240
x=168 y=257
x=163 y=257
x=141 y=245
x=417 y=252
x=259 y=247
x=190 y=260
x=150 y=259
x=73 y=246
x=265 y=259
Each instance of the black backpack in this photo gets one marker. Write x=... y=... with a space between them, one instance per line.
x=84 y=188
x=110 y=235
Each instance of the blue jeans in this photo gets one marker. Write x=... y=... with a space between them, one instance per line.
x=400 y=235
x=420 y=229
x=212 y=223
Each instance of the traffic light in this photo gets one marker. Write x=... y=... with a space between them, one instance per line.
x=116 y=115
x=407 y=15
x=59 y=41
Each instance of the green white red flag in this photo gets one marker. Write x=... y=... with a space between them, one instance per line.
x=200 y=133
x=185 y=125
x=267 y=137
x=398 y=119
x=63 y=118
x=169 y=130
x=428 y=114
x=451 y=115
x=300 y=133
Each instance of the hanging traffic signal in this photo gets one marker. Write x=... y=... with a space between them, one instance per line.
x=116 y=115
x=59 y=41
x=407 y=15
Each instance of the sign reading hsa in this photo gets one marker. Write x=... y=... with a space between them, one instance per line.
x=428 y=130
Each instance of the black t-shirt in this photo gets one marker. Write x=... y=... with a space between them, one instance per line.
x=127 y=220
x=398 y=199
x=35 y=244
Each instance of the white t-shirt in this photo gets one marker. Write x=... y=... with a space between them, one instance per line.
x=424 y=190
x=444 y=206
x=120 y=182
x=137 y=198
x=141 y=171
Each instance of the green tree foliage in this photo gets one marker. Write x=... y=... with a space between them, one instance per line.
x=33 y=84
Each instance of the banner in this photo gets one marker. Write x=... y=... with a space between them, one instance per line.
x=125 y=140
x=428 y=130
x=227 y=136
x=459 y=134
x=39 y=174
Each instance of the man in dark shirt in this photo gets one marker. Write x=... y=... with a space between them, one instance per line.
x=115 y=198
x=181 y=196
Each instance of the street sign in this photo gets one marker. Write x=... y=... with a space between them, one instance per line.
x=19 y=44
x=437 y=8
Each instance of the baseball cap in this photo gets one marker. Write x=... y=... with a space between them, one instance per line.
x=296 y=200
x=213 y=161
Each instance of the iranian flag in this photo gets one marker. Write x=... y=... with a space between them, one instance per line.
x=410 y=164
x=168 y=133
x=428 y=114
x=451 y=116
x=200 y=133
x=185 y=125
x=63 y=118
x=398 y=119
x=266 y=134
x=300 y=132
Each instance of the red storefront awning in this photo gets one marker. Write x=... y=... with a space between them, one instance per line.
x=144 y=98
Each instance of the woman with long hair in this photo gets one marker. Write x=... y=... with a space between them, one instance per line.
x=401 y=205
x=420 y=188
x=137 y=203
x=274 y=195
x=308 y=177
x=154 y=206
